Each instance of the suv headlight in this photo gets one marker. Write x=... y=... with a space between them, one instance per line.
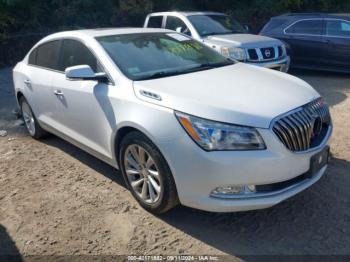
x=216 y=136
x=235 y=53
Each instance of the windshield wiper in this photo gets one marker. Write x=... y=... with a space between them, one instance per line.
x=204 y=66
x=209 y=66
x=161 y=74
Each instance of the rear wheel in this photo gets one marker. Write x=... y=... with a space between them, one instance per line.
x=147 y=174
x=30 y=120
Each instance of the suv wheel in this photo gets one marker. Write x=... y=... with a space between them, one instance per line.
x=147 y=174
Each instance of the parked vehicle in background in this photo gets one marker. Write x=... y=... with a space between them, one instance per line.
x=315 y=41
x=226 y=35
x=182 y=122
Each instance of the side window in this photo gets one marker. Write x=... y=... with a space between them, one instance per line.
x=307 y=27
x=47 y=55
x=76 y=53
x=176 y=24
x=155 y=21
x=337 y=28
x=32 y=57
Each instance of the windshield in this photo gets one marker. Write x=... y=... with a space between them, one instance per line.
x=216 y=25
x=153 y=55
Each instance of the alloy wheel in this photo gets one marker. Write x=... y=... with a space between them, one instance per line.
x=28 y=118
x=142 y=173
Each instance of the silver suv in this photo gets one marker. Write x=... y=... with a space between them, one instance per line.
x=225 y=35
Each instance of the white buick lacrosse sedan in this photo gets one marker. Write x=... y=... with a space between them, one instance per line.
x=182 y=123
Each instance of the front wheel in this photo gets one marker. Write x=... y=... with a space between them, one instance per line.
x=147 y=174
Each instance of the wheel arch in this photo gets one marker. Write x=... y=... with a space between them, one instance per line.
x=19 y=95
x=122 y=131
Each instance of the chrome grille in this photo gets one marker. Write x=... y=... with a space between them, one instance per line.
x=304 y=128
x=265 y=53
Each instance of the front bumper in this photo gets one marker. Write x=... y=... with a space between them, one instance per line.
x=280 y=65
x=262 y=201
x=197 y=172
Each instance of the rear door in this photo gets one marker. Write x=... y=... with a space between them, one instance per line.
x=306 y=42
x=42 y=67
x=337 y=44
x=83 y=106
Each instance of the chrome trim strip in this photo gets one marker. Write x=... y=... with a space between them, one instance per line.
x=322 y=35
x=260 y=55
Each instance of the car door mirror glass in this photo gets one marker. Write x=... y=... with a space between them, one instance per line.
x=84 y=72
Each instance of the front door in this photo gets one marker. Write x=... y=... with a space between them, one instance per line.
x=82 y=106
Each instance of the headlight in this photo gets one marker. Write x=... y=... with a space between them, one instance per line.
x=215 y=136
x=236 y=53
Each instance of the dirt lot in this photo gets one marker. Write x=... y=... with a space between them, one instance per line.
x=57 y=199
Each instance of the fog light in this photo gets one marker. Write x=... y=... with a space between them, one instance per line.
x=236 y=189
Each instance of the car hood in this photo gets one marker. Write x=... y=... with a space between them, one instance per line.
x=242 y=40
x=239 y=94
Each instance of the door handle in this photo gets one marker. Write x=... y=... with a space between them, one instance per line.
x=27 y=82
x=58 y=92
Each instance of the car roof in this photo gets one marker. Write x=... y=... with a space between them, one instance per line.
x=294 y=16
x=187 y=13
x=97 y=32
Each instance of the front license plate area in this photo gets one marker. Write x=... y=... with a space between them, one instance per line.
x=318 y=161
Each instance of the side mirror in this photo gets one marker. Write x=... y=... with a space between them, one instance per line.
x=179 y=29
x=84 y=72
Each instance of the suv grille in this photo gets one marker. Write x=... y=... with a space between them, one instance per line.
x=305 y=128
x=266 y=53
x=253 y=55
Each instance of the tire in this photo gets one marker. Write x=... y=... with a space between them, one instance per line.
x=30 y=121
x=137 y=153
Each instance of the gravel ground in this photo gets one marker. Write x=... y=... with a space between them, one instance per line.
x=56 y=199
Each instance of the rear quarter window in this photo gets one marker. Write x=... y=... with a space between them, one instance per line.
x=32 y=57
x=307 y=27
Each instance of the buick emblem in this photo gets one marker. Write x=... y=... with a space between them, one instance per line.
x=267 y=53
